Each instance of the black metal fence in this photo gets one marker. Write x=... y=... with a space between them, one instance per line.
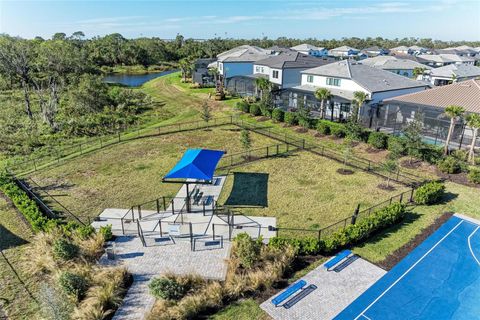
x=357 y=215
x=55 y=155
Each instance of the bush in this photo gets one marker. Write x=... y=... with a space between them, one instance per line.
x=255 y=109
x=290 y=118
x=25 y=205
x=168 y=289
x=73 y=284
x=429 y=193
x=355 y=131
x=243 y=106
x=305 y=123
x=247 y=250
x=265 y=110
x=431 y=154
x=449 y=165
x=323 y=127
x=84 y=232
x=278 y=114
x=106 y=232
x=396 y=146
x=460 y=155
x=338 y=130
x=64 y=249
x=378 y=140
x=352 y=234
x=474 y=175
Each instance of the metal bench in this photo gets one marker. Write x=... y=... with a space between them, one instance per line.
x=339 y=257
x=305 y=292
x=288 y=292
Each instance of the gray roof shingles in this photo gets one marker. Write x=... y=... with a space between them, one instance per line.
x=372 y=79
x=292 y=60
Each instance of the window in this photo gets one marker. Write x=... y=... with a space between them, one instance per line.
x=309 y=78
x=345 y=107
x=333 y=82
x=257 y=69
x=275 y=74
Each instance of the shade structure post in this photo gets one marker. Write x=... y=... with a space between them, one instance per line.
x=188 y=199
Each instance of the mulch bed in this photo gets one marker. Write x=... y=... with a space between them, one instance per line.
x=415 y=164
x=345 y=172
x=383 y=186
x=403 y=251
x=460 y=178
x=301 y=130
x=373 y=150
x=262 y=119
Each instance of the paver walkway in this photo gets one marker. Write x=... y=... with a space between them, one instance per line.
x=147 y=262
x=335 y=291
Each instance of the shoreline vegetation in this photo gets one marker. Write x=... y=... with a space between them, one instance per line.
x=139 y=69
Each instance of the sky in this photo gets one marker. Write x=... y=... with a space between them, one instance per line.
x=436 y=19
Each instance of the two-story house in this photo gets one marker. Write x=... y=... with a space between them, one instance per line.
x=282 y=70
x=239 y=60
x=310 y=50
x=343 y=79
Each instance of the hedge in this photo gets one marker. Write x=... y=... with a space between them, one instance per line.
x=449 y=165
x=323 y=127
x=255 y=109
x=290 y=118
x=278 y=114
x=429 y=193
x=378 y=140
x=474 y=175
x=25 y=205
x=243 y=106
x=347 y=236
x=338 y=130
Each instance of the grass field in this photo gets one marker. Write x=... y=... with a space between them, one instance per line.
x=15 y=286
x=458 y=199
x=130 y=173
x=302 y=190
x=242 y=310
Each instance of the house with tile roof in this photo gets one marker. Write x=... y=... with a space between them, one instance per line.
x=343 y=79
x=396 y=112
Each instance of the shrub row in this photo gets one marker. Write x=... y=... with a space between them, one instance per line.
x=347 y=236
x=25 y=205
x=429 y=193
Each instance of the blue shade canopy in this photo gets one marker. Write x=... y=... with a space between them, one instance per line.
x=196 y=164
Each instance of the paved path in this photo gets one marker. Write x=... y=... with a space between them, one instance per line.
x=335 y=291
x=146 y=262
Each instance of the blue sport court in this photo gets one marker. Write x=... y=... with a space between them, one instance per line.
x=440 y=279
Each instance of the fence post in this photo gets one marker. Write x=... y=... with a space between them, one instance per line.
x=319 y=234
x=277 y=149
x=411 y=195
x=164 y=204
x=35 y=164
x=133 y=215
x=160 y=227
x=123 y=228
x=173 y=207
x=267 y=152
x=139 y=212
x=303 y=143
x=191 y=235
x=158 y=205
x=119 y=139
x=213 y=230
x=398 y=173
x=391 y=199
x=355 y=214
x=401 y=197
x=203 y=204
x=369 y=165
x=81 y=151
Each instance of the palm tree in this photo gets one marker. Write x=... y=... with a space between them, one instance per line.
x=184 y=65
x=322 y=94
x=473 y=121
x=213 y=72
x=359 y=98
x=454 y=113
x=262 y=84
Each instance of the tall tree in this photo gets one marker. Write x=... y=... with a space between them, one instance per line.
x=413 y=136
x=359 y=98
x=455 y=113
x=16 y=62
x=473 y=121
x=322 y=94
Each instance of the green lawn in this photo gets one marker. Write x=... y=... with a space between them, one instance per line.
x=130 y=173
x=459 y=199
x=242 y=310
x=15 y=298
x=302 y=190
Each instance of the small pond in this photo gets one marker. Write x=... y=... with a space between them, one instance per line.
x=134 y=79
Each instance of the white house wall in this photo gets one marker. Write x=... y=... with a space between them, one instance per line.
x=345 y=84
x=379 y=96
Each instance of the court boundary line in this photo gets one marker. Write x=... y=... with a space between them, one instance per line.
x=408 y=270
x=470 y=245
